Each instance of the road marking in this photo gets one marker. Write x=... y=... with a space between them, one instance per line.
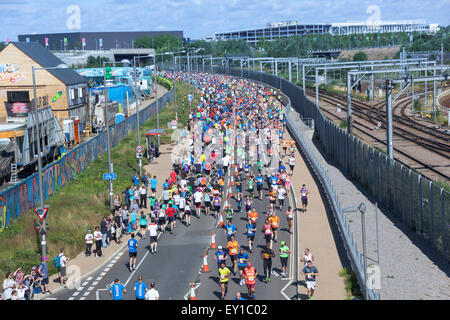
x=89 y=279
x=86 y=293
x=75 y=294
x=99 y=278
x=131 y=275
x=102 y=274
x=94 y=283
x=80 y=288
x=107 y=269
x=71 y=298
x=83 y=298
x=91 y=288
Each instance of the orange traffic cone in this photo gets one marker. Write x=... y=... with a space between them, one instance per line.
x=192 y=295
x=205 y=263
x=221 y=224
x=232 y=181
x=230 y=193
x=213 y=240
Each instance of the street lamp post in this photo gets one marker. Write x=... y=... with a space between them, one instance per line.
x=38 y=133
x=110 y=167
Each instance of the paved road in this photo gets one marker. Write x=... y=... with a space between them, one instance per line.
x=278 y=289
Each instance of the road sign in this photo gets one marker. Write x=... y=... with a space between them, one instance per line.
x=190 y=97
x=174 y=124
x=139 y=149
x=41 y=212
x=138 y=155
x=109 y=176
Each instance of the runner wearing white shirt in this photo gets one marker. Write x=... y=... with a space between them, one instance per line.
x=152 y=294
x=281 y=196
x=292 y=163
x=198 y=198
x=153 y=229
x=181 y=207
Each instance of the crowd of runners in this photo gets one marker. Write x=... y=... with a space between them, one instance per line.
x=237 y=153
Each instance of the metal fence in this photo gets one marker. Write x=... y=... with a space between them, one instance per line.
x=24 y=195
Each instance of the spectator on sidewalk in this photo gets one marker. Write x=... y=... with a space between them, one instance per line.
x=125 y=219
x=89 y=238
x=104 y=231
x=136 y=180
x=8 y=286
x=63 y=260
x=143 y=197
x=118 y=226
x=43 y=272
x=98 y=237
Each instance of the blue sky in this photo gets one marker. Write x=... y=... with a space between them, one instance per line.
x=199 y=18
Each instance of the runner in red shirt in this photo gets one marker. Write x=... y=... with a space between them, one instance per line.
x=170 y=212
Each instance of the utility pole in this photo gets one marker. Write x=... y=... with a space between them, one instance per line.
x=41 y=189
x=137 y=98
x=110 y=166
x=389 y=130
x=349 y=104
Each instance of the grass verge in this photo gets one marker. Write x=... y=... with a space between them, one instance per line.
x=352 y=287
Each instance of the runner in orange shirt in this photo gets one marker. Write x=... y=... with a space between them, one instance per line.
x=253 y=216
x=233 y=249
x=274 y=223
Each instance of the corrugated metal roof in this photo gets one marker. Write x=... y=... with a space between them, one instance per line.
x=48 y=60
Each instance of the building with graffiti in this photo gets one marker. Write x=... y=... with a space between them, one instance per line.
x=64 y=90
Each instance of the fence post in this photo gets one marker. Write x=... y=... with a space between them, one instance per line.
x=431 y=212
x=420 y=205
x=443 y=223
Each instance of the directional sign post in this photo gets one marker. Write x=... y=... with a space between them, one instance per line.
x=42 y=213
x=109 y=176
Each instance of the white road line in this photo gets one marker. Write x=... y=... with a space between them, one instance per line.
x=91 y=288
x=86 y=293
x=97 y=295
x=80 y=288
x=131 y=275
x=94 y=283
x=75 y=294
x=89 y=279
x=83 y=298
x=102 y=274
x=107 y=269
x=99 y=278
x=85 y=283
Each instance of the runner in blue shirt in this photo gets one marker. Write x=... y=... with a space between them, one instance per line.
x=250 y=234
x=140 y=288
x=117 y=290
x=230 y=230
x=242 y=263
x=153 y=183
x=220 y=256
x=132 y=252
x=259 y=185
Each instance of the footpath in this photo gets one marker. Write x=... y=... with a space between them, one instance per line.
x=408 y=267
x=81 y=267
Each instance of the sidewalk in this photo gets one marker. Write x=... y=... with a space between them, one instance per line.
x=409 y=269
x=81 y=266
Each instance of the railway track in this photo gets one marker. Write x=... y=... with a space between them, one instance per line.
x=432 y=140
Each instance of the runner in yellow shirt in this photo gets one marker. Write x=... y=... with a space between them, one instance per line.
x=224 y=274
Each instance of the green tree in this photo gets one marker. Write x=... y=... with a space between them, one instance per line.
x=360 y=56
x=2 y=45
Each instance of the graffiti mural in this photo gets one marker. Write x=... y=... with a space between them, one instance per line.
x=24 y=195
